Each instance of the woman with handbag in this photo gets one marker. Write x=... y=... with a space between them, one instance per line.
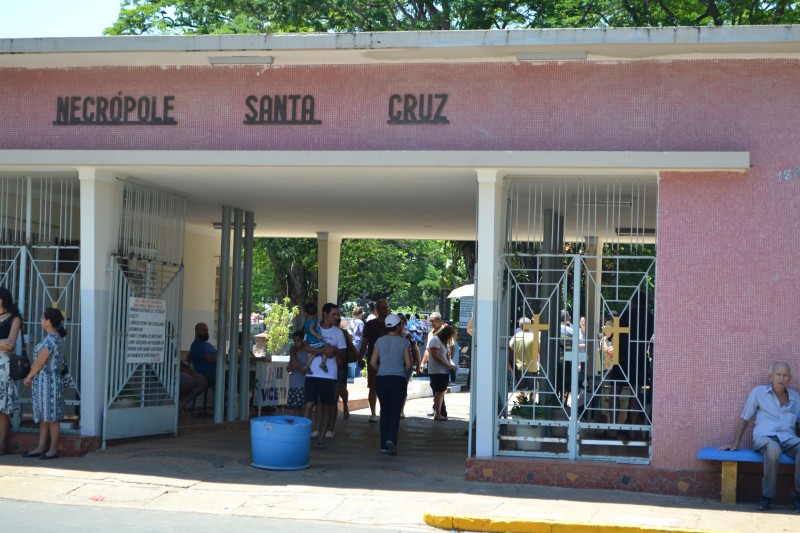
x=47 y=381
x=10 y=325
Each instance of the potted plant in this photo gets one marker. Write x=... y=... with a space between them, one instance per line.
x=525 y=408
x=278 y=323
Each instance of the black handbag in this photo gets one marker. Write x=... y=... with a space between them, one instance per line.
x=19 y=366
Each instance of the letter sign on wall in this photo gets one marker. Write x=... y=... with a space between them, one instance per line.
x=117 y=110
x=417 y=109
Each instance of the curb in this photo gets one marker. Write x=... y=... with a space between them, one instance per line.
x=503 y=525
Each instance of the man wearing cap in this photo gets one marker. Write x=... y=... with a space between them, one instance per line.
x=391 y=359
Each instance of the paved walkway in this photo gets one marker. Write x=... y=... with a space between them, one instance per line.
x=351 y=482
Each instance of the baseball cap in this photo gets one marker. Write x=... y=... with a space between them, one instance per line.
x=392 y=320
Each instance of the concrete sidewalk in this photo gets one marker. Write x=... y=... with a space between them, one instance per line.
x=350 y=482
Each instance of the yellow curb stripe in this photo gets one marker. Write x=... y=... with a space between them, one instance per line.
x=503 y=525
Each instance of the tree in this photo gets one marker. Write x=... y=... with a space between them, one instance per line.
x=413 y=274
x=408 y=272
x=289 y=265
x=165 y=17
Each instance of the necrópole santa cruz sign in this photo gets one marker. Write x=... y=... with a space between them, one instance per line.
x=118 y=110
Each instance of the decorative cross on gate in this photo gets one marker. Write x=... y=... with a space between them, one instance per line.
x=536 y=327
x=616 y=330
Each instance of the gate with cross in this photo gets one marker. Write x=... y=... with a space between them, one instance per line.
x=574 y=376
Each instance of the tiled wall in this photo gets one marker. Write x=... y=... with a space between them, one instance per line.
x=729 y=244
x=703 y=105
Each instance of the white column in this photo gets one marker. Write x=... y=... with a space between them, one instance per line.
x=98 y=215
x=491 y=221
x=329 y=247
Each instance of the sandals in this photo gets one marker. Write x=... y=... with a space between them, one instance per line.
x=323 y=366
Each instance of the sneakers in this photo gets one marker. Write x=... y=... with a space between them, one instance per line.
x=765 y=504
x=391 y=448
x=431 y=412
x=329 y=434
x=373 y=419
x=314 y=434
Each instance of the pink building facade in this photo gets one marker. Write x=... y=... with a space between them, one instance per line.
x=727 y=240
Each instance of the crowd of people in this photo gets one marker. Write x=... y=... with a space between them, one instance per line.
x=389 y=347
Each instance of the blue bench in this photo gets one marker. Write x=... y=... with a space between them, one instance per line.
x=730 y=461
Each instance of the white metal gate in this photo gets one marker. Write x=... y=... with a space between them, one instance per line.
x=40 y=265
x=568 y=391
x=141 y=398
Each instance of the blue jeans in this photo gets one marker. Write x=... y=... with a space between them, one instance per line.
x=391 y=391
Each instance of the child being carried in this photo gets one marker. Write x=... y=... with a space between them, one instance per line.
x=313 y=335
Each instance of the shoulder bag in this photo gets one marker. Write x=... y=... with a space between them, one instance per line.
x=19 y=365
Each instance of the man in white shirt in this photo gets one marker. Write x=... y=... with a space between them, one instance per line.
x=321 y=385
x=777 y=411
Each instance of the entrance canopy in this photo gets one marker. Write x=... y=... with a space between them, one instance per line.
x=365 y=194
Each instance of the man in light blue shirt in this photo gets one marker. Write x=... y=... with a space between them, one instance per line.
x=777 y=411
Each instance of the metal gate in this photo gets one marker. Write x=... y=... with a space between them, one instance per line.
x=566 y=390
x=40 y=265
x=141 y=395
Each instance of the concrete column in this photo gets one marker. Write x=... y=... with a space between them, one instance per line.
x=99 y=211
x=329 y=251
x=491 y=221
x=593 y=312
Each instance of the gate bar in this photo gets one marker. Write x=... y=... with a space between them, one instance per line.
x=247 y=305
x=222 y=313
x=233 y=334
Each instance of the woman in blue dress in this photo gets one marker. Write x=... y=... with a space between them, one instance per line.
x=48 y=384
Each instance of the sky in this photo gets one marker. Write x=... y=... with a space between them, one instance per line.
x=56 y=18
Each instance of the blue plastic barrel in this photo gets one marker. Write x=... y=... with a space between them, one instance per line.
x=281 y=442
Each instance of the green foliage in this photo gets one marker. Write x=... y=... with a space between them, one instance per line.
x=525 y=407
x=410 y=273
x=278 y=324
x=284 y=268
x=197 y=17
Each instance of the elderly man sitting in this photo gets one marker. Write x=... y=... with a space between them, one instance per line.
x=777 y=411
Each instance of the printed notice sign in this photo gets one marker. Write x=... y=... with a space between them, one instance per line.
x=146 y=330
x=466 y=311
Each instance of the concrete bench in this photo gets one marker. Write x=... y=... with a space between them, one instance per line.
x=730 y=461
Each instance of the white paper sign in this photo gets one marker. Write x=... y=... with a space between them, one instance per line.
x=146 y=330
x=272 y=384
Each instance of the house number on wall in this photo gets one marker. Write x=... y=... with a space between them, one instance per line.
x=786 y=174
